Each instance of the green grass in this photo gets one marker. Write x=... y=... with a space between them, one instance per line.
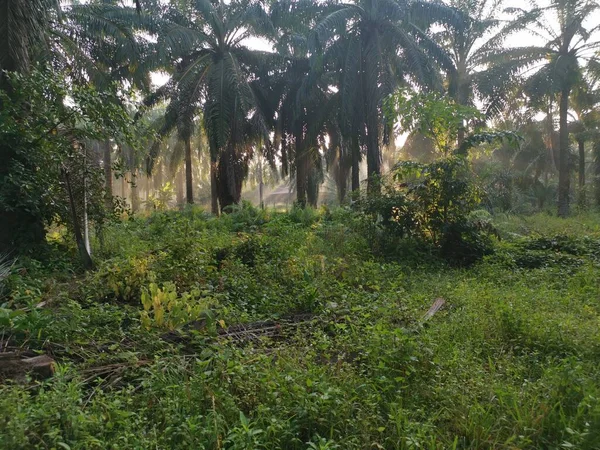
x=511 y=362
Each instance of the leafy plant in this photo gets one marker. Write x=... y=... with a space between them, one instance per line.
x=163 y=308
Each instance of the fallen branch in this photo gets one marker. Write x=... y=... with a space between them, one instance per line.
x=435 y=307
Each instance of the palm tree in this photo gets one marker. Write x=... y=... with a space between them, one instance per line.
x=23 y=27
x=474 y=72
x=298 y=98
x=203 y=47
x=566 y=47
x=99 y=42
x=585 y=103
x=379 y=41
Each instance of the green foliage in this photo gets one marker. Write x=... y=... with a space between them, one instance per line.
x=38 y=132
x=488 y=137
x=163 y=308
x=432 y=115
x=160 y=200
x=512 y=360
x=432 y=203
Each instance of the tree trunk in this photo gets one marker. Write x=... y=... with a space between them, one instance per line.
x=86 y=222
x=355 y=165
x=108 y=182
x=597 y=170
x=563 y=169
x=260 y=182
x=373 y=158
x=189 y=181
x=312 y=186
x=135 y=195
x=157 y=180
x=86 y=260
x=179 y=181
x=214 y=193
x=301 y=169
x=230 y=176
x=342 y=178
x=461 y=137
x=582 y=196
x=145 y=187
x=581 y=145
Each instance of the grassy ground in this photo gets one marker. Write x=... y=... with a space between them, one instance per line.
x=341 y=356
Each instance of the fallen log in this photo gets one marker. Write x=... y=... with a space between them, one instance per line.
x=14 y=366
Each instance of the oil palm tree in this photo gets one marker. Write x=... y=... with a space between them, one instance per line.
x=379 y=42
x=571 y=38
x=297 y=97
x=585 y=102
x=202 y=45
x=475 y=74
x=23 y=27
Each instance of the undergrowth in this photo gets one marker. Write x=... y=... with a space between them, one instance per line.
x=148 y=355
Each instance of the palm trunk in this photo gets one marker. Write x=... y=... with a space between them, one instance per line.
x=373 y=157
x=229 y=177
x=214 y=193
x=355 y=165
x=597 y=170
x=260 y=183
x=563 y=169
x=301 y=170
x=145 y=188
x=108 y=182
x=582 y=196
x=371 y=92
x=581 y=145
x=135 y=195
x=158 y=178
x=189 y=181
x=179 y=181
x=86 y=259
x=312 y=186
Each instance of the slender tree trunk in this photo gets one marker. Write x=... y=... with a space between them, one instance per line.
x=371 y=92
x=86 y=259
x=135 y=195
x=342 y=179
x=145 y=187
x=597 y=170
x=86 y=222
x=563 y=169
x=373 y=157
x=214 y=192
x=550 y=130
x=179 y=181
x=260 y=183
x=301 y=169
x=355 y=164
x=108 y=181
x=158 y=178
x=581 y=146
x=189 y=182
x=582 y=194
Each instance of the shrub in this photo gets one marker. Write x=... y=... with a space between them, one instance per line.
x=431 y=203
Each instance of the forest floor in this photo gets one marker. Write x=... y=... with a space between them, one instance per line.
x=285 y=331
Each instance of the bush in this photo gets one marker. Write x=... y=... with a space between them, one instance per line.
x=432 y=204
